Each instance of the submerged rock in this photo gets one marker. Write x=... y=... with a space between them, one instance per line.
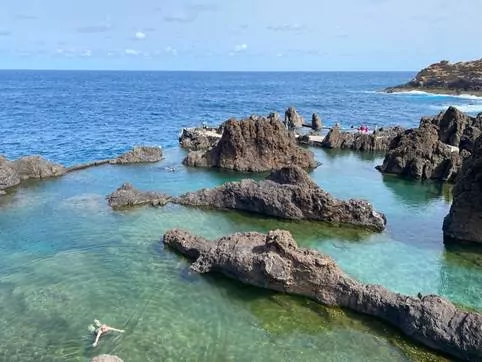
x=254 y=144
x=274 y=261
x=464 y=221
x=445 y=77
x=128 y=196
x=434 y=150
x=376 y=141
x=196 y=139
x=106 y=358
x=288 y=193
x=139 y=154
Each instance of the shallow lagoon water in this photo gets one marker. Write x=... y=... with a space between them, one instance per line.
x=67 y=258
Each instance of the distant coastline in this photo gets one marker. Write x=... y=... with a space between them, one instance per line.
x=446 y=78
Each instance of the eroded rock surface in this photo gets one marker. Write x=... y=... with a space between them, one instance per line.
x=316 y=124
x=292 y=119
x=434 y=150
x=128 y=196
x=12 y=173
x=196 y=139
x=464 y=222
x=376 y=141
x=274 y=261
x=288 y=193
x=139 y=154
x=254 y=144
x=445 y=77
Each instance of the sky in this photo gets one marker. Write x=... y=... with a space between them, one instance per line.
x=286 y=35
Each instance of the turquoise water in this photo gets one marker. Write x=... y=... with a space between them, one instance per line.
x=67 y=258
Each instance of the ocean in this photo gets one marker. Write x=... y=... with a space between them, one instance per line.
x=67 y=258
x=72 y=117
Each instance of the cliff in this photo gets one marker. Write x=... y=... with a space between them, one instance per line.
x=446 y=77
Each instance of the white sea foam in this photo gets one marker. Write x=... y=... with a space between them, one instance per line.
x=468 y=108
x=422 y=93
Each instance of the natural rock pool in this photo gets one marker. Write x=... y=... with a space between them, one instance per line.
x=67 y=258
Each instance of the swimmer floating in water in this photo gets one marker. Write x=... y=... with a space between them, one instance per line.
x=99 y=329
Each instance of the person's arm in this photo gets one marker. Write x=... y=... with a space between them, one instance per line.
x=116 y=330
x=97 y=338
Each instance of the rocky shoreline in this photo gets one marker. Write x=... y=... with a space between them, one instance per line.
x=12 y=173
x=446 y=78
x=274 y=261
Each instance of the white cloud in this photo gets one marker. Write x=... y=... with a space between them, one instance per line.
x=286 y=27
x=240 y=48
x=86 y=53
x=132 y=52
x=140 y=35
x=170 y=50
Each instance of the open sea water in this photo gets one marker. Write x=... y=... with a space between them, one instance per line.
x=67 y=258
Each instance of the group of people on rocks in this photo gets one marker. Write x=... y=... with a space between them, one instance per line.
x=363 y=129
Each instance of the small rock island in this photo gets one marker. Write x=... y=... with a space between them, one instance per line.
x=446 y=78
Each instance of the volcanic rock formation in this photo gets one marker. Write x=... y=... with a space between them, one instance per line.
x=128 y=196
x=196 y=139
x=254 y=144
x=464 y=222
x=274 y=261
x=139 y=154
x=434 y=150
x=292 y=119
x=378 y=140
x=12 y=173
x=288 y=193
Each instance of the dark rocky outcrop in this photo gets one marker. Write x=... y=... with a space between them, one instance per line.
x=292 y=119
x=274 y=261
x=8 y=175
x=12 y=173
x=106 y=358
x=254 y=144
x=128 y=196
x=139 y=154
x=36 y=167
x=445 y=77
x=457 y=129
x=316 y=124
x=196 y=139
x=378 y=140
x=464 y=222
x=434 y=150
x=288 y=193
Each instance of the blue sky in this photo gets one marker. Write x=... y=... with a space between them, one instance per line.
x=238 y=35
